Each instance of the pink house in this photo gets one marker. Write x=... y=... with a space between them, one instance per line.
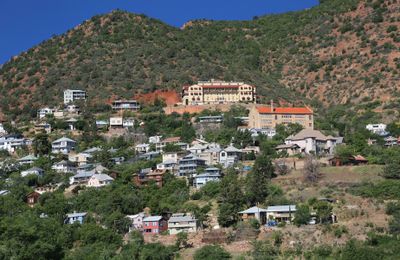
x=154 y=225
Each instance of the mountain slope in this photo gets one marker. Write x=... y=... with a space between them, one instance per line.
x=340 y=51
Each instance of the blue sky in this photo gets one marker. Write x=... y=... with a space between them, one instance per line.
x=25 y=23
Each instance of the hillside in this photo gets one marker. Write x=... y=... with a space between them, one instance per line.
x=338 y=52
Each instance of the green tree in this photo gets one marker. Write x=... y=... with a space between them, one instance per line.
x=156 y=251
x=264 y=250
x=181 y=240
x=41 y=144
x=231 y=199
x=394 y=224
x=302 y=215
x=258 y=179
x=211 y=252
x=391 y=171
x=324 y=211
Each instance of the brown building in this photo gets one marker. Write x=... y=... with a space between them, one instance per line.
x=218 y=92
x=147 y=175
x=32 y=198
x=270 y=116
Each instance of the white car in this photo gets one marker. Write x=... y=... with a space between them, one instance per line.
x=312 y=221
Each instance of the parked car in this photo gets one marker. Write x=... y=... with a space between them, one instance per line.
x=312 y=221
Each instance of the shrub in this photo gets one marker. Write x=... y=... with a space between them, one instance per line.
x=254 y=223
x=211 y=252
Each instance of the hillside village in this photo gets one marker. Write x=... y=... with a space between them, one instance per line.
x=271 y=138
x=232 y=172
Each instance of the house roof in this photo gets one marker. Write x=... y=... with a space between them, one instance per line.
x=232 y=149
x=64 y=139
x=252 y=210
x=286 y=146
x=76 y=214
x=34 y=169
x=152 y=218
x=92 y=150
x=308 y=133
x=181 y=219
x=4 y=192
x=83 y=174
x=141 y=214
x=360 y=158
x=281 y=208
x=171 y=139
x=197 y=147
x=211 y=169
x=207 y=174
x=284 y=110
x=156 y=172
x=28 y=158
x=64 y=162
x=102 y=177
x=142 y=145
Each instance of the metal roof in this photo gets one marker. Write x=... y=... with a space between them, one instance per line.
x=181 y=219
x=253 y=210
x=64 y=139
x=76 y=214
x=152 y=218
x=281 y=208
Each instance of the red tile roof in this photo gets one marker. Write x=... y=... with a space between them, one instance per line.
x=284 y=110
x=174 y=139
x=220 y=86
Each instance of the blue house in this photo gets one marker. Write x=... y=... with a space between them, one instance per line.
x=76 y=217
x=209 y=174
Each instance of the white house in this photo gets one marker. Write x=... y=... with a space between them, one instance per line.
x=29 y=159
x=44 y=111
x=209 y=174
x=281 y=213
x=70 y=95
x=128 y=122
x=12 y=142
x=257 y=213
x=229 y=156
x=255 y=132
x=64 y=167
x=132 y=105
x=379 y=129
x=63 y=145
x=179 y=222
x=2 y=130
x=142 y=148
x=81 y=177
x=33 y=171
x=169 y=162
x=116 y=122
x=312 y=141
x=155 y=139
x=76 y=217
x=136 y=221
x=197 y=148
x=99 y=180
x=102 y=124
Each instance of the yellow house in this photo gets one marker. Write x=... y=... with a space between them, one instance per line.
x=270 y=116
x=218 y=92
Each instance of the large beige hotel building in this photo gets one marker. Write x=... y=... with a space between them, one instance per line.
x=270 y=116
x=218 y=92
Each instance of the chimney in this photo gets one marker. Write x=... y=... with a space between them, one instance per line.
x=272 y=105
